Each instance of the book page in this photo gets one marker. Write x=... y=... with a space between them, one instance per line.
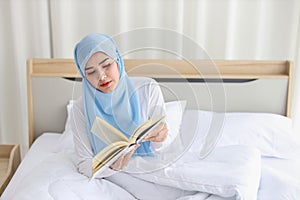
x=108 y=156
x=106 y=132
x=105 y=156
x=145 y=128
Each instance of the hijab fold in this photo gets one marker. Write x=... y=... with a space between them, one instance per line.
x=121 y=107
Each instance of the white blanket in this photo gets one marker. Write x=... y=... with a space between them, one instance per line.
x=44 y=175
x=232 y=171
x=256 y=158
x=56 y=177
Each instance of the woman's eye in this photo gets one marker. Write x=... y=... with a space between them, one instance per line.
x=106 y=65
x=90 y=73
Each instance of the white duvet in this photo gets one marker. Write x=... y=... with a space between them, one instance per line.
x=232 y=171
x=254 y=163
x=55 y=177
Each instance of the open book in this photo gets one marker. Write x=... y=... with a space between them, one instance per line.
x=118 y=143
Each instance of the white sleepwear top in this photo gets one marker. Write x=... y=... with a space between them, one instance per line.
x=152 y=104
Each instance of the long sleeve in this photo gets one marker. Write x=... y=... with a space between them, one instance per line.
x=82 y=144
x=156 y=106
x=152 y=104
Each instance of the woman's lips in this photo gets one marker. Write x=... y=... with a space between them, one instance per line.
x=105 y=84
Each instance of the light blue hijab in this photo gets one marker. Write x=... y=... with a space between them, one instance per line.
x=121 y=107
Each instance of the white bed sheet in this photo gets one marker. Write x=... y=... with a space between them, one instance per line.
x=55 y=175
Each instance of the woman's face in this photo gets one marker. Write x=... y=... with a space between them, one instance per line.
x=102 y=72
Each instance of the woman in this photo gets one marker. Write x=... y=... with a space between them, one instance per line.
x=109 y=93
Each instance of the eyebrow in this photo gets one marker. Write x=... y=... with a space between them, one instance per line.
x=87 y=68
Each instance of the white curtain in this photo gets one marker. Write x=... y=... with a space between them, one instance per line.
x=231 y=29
x=296 y=85
x=24 y=33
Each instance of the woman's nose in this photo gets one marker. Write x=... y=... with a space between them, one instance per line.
x=102 y=75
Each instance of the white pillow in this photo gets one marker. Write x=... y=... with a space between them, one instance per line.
x=65 y=141
x=270 y=133
x=174 y=112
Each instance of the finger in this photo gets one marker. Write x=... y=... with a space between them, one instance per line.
x=162 y=126
x=159 y=137
x=132 y=150
x=128 y=156
x=149 y=138
x=117 y=164
x=155 y=132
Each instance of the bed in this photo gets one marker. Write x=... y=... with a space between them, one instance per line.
x=234 y=127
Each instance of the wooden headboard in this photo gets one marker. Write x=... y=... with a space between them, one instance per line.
x=217 y=85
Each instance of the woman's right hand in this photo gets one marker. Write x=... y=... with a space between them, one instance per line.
x=123 y=161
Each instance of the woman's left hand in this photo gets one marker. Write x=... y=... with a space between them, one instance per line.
x=159 y=134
